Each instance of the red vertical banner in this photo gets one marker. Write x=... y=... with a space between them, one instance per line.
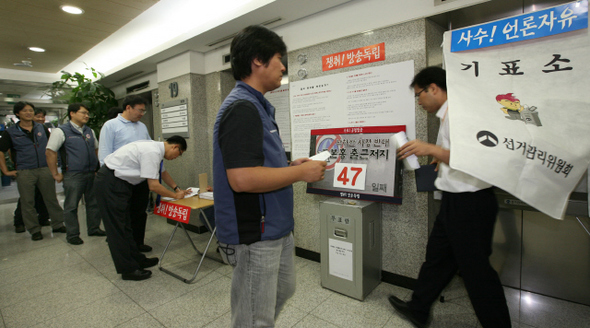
x=174 y=212
x=354 y=57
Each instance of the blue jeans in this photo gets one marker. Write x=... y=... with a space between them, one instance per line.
x=77 y=184
x=263 y=280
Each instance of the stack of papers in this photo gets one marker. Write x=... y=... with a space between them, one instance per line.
x=194 y=192
x=206 y=195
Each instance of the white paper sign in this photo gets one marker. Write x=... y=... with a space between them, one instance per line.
x=279 y=98
x=374 y=96
x=519 y=116
x=340 y=259
x=350 y=176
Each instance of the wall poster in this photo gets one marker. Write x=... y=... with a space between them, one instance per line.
x=362 y=165
x=279 y=98
x=374 y=96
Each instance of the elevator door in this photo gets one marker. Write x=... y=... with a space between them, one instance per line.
x=556 y=256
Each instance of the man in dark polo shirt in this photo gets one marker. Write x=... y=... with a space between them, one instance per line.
x=27 y=141
x=252 y=182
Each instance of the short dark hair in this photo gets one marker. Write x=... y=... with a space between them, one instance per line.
x=177 y=140
x=114 y=112
x=254 y=42
x=40 y=111
x=430 y=75
x=133 y=100
x=20 y=106
x=74 y=108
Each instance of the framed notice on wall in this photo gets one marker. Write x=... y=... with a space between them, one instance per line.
x=373 y=96
x=362 y=163
x=174 y=115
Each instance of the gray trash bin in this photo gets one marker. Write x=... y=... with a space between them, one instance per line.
x=350 y=246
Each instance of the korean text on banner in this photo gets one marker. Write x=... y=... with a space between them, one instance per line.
x=565 y=18
x=174 y=212
x=518 y=115
x=359 y=56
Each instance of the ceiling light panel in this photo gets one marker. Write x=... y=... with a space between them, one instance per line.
x=72 y=10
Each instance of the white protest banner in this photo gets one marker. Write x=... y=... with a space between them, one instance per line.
x=519 y=112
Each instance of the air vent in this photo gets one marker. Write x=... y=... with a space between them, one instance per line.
x=129 y=76
x=225 y=59
x=138 y=87
x=230 y=37
x=24 y=63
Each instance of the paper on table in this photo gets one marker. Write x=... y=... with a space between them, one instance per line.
x=323 y=156
x=206 y=195
x=194 y=192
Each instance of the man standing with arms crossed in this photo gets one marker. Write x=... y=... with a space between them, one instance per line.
x=252 y=183
x=78 y=148
x=116 y=133
x=461 y=238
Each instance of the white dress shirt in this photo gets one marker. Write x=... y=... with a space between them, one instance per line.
x=137 y=161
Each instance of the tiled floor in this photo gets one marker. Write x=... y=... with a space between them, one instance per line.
x=50 y=283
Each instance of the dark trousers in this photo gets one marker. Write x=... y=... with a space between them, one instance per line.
x=461 y=239
x=139 y=202
x=42 y=213
x=114 y=201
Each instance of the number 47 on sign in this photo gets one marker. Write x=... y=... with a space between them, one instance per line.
x=350 y=176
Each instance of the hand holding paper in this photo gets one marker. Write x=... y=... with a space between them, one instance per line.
x=323 y=156
x=410 y=161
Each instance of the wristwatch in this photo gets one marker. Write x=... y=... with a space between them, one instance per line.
x=177 y=187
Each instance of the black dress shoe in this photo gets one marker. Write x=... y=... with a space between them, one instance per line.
x=19 y=228
x=37 y=236
x=76 y=241
x=98 y=233
x=138 y=274
x=62 y=230
x=144 y=248
x=149 y=262
x=402 y=307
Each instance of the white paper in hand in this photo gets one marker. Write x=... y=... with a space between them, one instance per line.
x=323 y=156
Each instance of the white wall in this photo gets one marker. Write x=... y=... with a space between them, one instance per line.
x=345 y=20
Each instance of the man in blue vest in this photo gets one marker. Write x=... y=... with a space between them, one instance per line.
x=252 y=182
x=27 y=141
x=40 y=207
x=116 y=133
x=78 y=148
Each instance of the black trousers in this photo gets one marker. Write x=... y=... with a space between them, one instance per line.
x=139 y=201
x=114 y=201
x=42 y=212
x=461 y=239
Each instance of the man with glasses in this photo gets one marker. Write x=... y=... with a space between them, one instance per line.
x=133 y=164
x=78 y=149
x=461 y=238
x=116 y=133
